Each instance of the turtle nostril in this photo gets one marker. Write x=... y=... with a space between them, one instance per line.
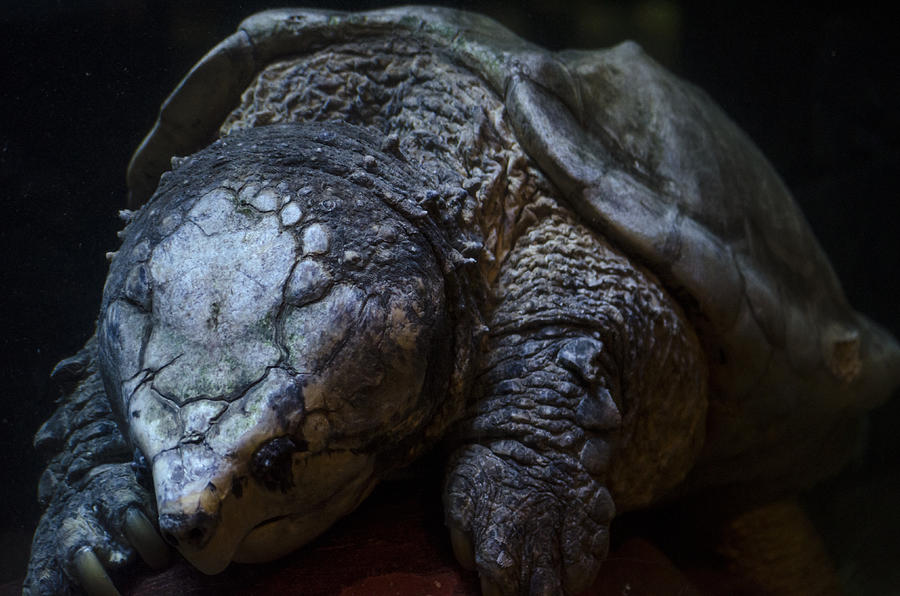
x=190 y=530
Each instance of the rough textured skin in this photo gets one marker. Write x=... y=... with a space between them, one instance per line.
x=397 y=241
x=625 y=358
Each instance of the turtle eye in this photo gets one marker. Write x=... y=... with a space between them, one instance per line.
x=272 y=463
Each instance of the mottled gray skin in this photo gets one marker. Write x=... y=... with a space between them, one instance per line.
x=306 y=304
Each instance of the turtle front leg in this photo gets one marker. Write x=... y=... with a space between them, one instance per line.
x=592 y=391
x=527 y=503
x=97 y=512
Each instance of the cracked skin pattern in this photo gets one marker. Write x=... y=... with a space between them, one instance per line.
x=365 y=263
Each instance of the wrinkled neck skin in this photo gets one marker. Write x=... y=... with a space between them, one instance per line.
x=284 y=323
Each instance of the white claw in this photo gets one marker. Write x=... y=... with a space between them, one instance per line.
x=463 y=549
x=91 y=574
x=145 y=540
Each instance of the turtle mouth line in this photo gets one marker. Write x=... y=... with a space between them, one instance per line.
x=266 y=522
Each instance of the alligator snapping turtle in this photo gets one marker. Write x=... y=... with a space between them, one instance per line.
x=415 y=226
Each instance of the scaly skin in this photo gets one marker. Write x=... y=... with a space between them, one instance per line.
x=590 y=378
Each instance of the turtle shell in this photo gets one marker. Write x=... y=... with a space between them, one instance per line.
x=647 y=160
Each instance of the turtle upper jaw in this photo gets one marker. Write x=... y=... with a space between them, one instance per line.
x=212 y=527
x=263 y=458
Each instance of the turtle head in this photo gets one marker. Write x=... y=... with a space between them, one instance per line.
x=270 y=338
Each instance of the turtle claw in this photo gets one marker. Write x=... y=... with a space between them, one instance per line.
x=139 y=531
x=91 y=574
x=145 y=539
x=91 y=529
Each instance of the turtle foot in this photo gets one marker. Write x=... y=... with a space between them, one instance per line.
x=522 y=523
x=90 y=529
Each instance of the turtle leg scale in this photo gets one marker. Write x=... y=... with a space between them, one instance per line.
x=590 y=398
x=534 y=516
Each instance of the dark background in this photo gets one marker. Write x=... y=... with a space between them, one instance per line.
x=80 y=84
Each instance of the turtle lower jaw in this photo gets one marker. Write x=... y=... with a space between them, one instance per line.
x=278 y=536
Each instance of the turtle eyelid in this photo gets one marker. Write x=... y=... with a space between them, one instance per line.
x=272 y=462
